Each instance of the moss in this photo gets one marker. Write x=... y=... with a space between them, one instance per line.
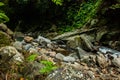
x=4 y=39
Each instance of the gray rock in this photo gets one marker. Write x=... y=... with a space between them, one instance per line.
x=116 y=62
x=59 y=56
x=69 y=59
x=35 y=44
x=65 y=35
x=10 y=53
x=41 y=39
x=91 y=74
x=111 y=52
x=68 y=73
x=3 y=27
x=18 y=45
x=27 y=46
x=81 y=53
x=86 y=42
x=33 y=50
x=101 y=60
x=74 y=41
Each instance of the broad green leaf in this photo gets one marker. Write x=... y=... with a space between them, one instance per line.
x=3 y=18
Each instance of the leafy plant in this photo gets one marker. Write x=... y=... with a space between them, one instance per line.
x=115 y=6
x=32 y=57
x=3 y=17
x=58 y=2
x=2 y=4
x=78 y=14
x=49 y=66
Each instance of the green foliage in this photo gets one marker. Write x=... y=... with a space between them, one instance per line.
x=32 y=57
x=3 y=17
x=58 y=2
x=49 y=66
x=2 y=4
x=22 y=1
x=115 y=6
x=82 y=13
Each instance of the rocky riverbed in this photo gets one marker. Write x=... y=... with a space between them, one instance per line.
x=72 y=64
x=75 y=57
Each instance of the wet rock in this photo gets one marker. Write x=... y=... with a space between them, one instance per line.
x=101 y=60
x=9 y=53
x=5 y=39
x=18 y=36
x=69 y=59
x=111 y=52
x=59 y=56
x=116 y=62
x=28 y=39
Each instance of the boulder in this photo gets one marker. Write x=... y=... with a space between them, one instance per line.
x=18 y=45
x=101 y=60
x=116 y=62
x=10 y=54
x=59 y=56
x=74 y=41
x=5 y=39
x=5 y=29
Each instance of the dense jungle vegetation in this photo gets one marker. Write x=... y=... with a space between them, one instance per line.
x=66 y=15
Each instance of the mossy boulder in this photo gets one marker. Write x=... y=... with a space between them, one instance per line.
x=5 y=39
